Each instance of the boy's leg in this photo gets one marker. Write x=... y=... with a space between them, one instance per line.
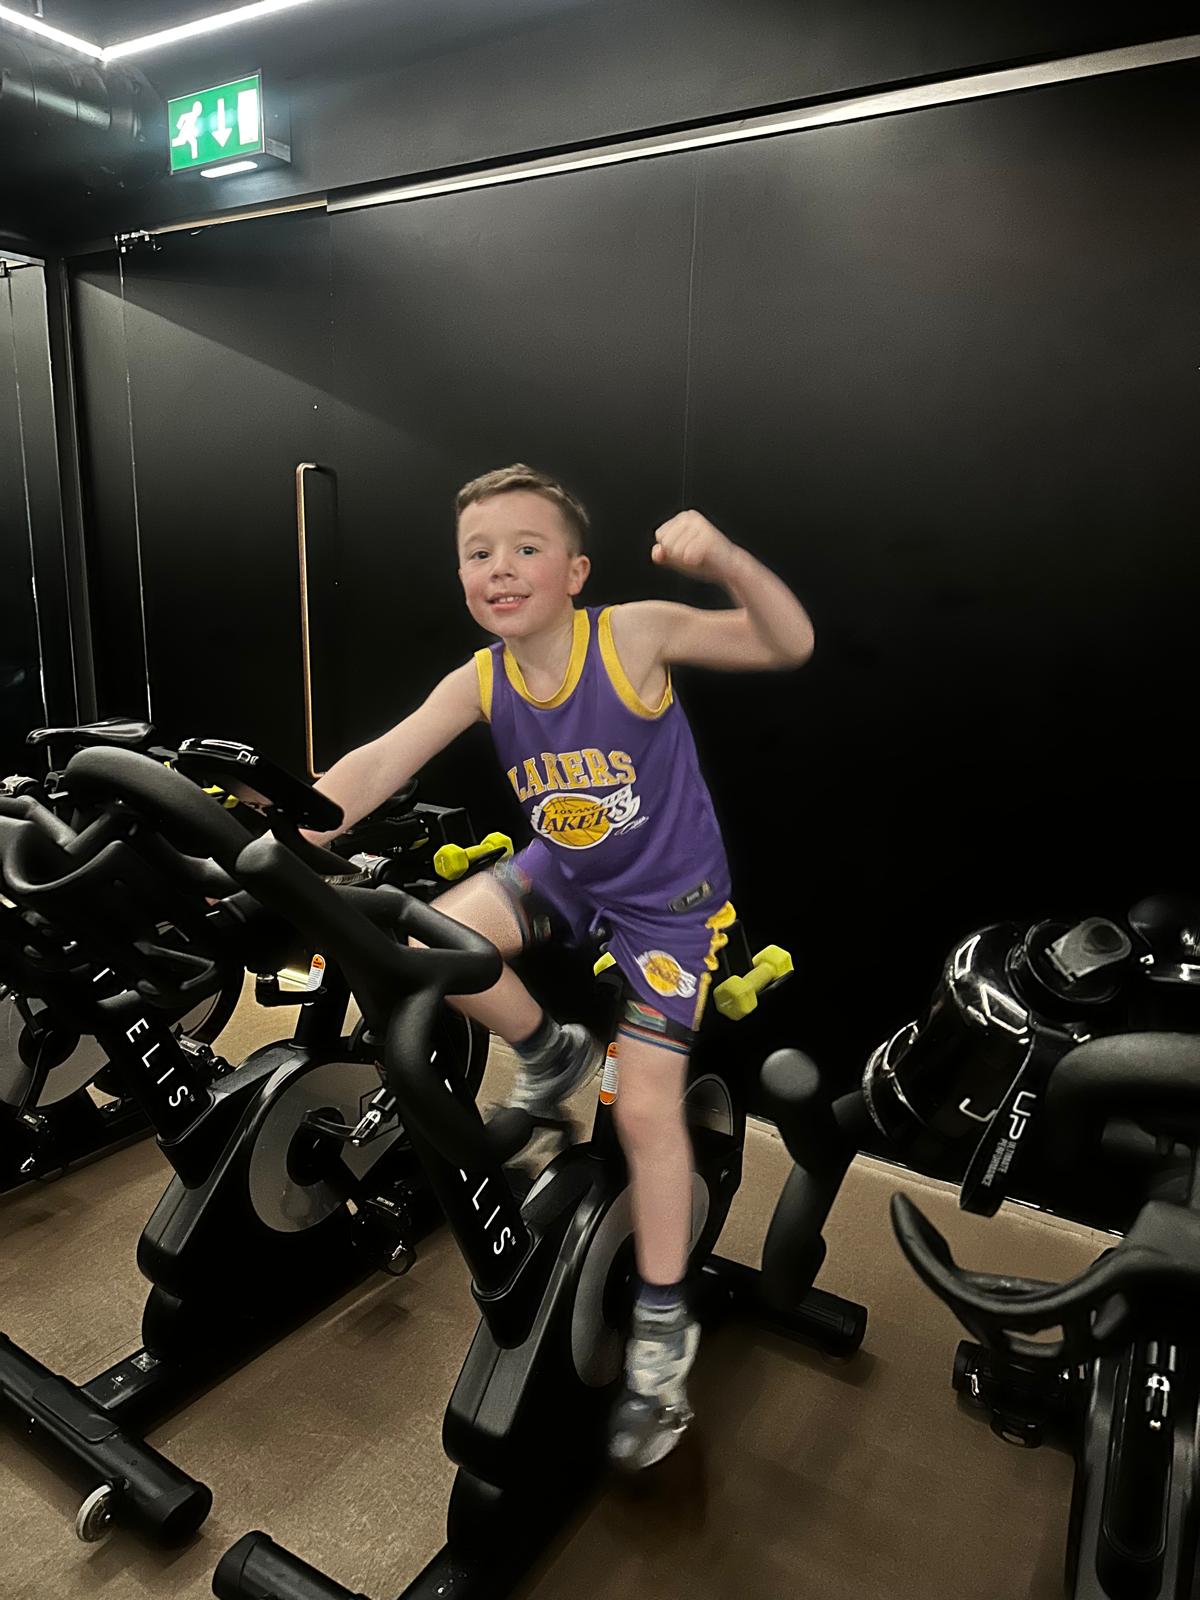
x=652 y=1410
x=667 y=962
x=507 y=1008
x=658 y=1151
x=555 y=1061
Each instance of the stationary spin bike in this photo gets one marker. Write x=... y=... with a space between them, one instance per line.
x=1053 y=1038
x=1122 y=1379
x=49 y=1122
x=50 y=1057
x=291 y=1183
x=1041 y=1067
x=552 y=1272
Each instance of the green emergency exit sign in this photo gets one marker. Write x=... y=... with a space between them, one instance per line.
x=216 y=125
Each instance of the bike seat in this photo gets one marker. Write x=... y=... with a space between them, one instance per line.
x=114 y=732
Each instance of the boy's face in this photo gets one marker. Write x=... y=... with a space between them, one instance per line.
x=515 y=563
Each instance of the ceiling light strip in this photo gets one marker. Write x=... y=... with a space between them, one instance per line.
x=43 y=30
x=856 y=108
x=191 y=30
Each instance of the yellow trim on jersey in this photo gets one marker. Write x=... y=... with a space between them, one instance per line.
x=483 y=671
x=718 y=922
x=574 y=672
x=627 y=694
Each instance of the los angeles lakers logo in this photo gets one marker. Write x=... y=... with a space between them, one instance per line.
x=580 y=821
x=664 y=974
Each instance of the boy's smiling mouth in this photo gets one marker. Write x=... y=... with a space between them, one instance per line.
x=507 y=602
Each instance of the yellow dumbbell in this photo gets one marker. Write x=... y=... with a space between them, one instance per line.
x=452 y=861
x=738 y=996
x=227 y=800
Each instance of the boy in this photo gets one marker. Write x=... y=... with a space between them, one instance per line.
x=602 y=761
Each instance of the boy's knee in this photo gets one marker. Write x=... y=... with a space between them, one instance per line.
x=648 y=1109
x=485 y=909
x=635 y=1120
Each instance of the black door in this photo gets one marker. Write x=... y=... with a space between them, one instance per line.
x=21 y=703
x=206 y=359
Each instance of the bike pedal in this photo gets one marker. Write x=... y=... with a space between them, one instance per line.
x=392 y=1220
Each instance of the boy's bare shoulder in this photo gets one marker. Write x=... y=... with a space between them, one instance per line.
x=464 y=677
x=654 y=628
x=458 y=691
x=450 y=706
x=640 y=621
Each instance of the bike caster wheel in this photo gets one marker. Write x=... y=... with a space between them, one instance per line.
x=94 y=1518
x=399 y=1260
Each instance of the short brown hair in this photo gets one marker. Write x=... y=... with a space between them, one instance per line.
x=504 y=480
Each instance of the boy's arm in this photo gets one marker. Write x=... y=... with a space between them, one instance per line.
x=366 y=777
x=768 y=629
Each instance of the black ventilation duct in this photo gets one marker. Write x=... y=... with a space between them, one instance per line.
x=68 y=124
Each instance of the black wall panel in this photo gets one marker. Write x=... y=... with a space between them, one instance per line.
x=945 y=380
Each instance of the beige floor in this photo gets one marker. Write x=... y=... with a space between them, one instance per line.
x=802 y=1477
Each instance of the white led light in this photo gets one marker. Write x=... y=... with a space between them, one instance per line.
x=192 y=30
x=964 y=955
x=224 y=172
x=34 y=25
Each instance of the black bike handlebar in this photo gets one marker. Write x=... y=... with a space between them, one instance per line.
x=24 y=808
x=34 y=864
x=351 y=922
x=324 y=862
x=42 y=852
x=1011 y=1301
x=1152 y=1079
x=182 y=813
x=399 y=988
x=187 y=818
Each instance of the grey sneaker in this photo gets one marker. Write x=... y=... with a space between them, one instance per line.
x=540 y=1094
x=652 y=1411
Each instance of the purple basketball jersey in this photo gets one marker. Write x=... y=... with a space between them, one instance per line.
x=612 y=785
